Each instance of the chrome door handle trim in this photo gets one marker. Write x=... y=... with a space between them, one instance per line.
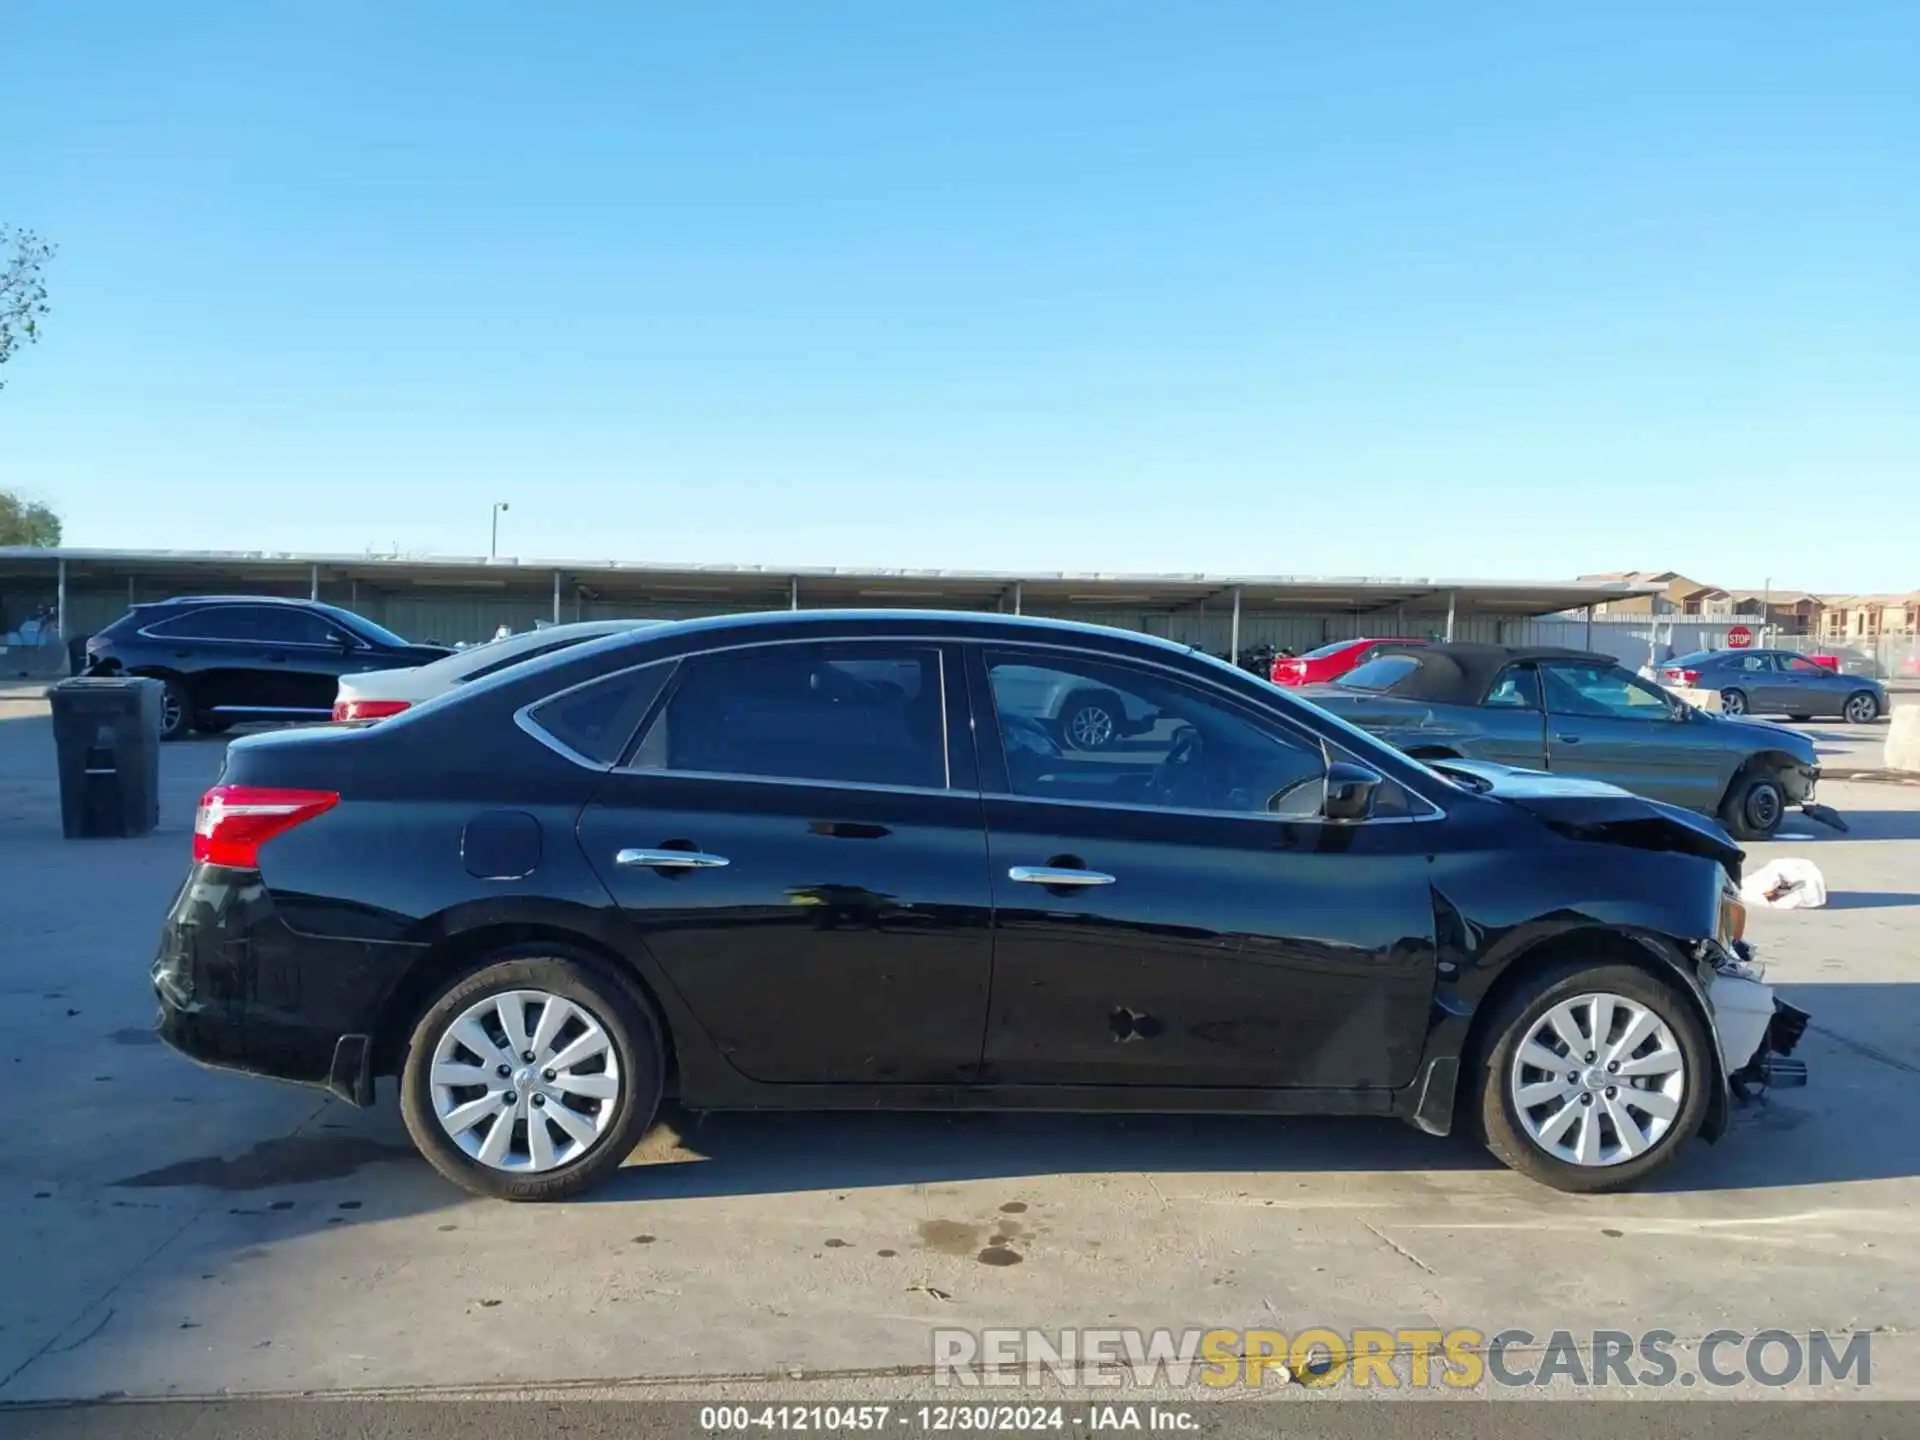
x=1049 y=875
x=669 y=860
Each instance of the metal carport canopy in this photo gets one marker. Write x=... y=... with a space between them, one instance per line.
x=187 y=572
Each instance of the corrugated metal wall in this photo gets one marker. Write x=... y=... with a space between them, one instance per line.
x=453 y=616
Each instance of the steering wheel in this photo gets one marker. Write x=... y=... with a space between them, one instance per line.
x=1178 y=765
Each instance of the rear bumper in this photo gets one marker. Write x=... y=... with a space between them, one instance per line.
x=239 y=989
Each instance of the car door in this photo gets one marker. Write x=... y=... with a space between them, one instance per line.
x=303 y=654
x=797 y=838
x=1810 y=689
x=1158 y=922
x=226 y=653
x=1510 y=723
x=1753 y=674
x=1606 y=723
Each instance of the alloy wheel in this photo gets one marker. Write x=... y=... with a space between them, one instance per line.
x=1732 y=702
x=1598 y=1080
x=1862 y=710
x=172 y=713
x=1090 y=728
x=525 y=1081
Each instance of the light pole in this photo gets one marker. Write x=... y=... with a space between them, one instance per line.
x=493 y=544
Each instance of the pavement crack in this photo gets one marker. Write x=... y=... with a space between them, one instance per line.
x=1398 y=1248
x=98 y=1327
x=1862 y=1048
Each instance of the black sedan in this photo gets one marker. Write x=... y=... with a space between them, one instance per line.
x=1586 y=715
x=227 y=658
x=828 y=860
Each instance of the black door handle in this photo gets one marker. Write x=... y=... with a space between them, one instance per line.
x=1568 y=739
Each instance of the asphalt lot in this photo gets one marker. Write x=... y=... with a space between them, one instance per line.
x=179 y=1232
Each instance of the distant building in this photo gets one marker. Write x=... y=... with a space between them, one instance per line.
x=1869 y=617
x=1677 y=596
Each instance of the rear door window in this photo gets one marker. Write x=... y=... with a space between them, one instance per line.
x=852 y=713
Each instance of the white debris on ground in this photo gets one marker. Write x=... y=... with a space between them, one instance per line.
x=1787 y=884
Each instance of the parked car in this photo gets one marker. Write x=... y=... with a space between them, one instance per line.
x=226 y=658
x=1777 y=682
x=1580 y=714
x=1330 y=662
x=377 y=694
x=1849 y=660
x=1080 y=715
x=841 y=860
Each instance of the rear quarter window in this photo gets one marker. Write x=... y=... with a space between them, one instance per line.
x=596 y=720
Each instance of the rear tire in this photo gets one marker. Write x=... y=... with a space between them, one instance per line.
x=1755 y=806
x=1526 y=1138
x=176 y=709
x=1861 y=708
x=1733 y=702
x=1090 y=720
x=607 y=1098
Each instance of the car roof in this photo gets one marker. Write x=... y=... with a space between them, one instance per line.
x=771 y=624
x=1459 y=673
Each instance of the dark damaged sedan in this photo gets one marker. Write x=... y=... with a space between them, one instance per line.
x=835 y=860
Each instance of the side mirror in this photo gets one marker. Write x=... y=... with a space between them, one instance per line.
x=1350 y=791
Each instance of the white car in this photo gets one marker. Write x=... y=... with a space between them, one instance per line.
x=376 y=694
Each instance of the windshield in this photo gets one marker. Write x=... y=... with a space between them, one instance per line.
x=1360 y=742
x=367 y=630
x=1380 y=674
x=1325 y=650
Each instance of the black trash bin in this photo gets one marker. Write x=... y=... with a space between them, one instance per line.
x=107 y=732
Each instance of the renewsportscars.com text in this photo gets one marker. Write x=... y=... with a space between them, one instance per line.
x=1404 y=1357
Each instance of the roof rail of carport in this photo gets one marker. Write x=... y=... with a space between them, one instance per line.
x=755 y=585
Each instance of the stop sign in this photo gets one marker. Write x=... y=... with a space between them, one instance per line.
x=1739 y=638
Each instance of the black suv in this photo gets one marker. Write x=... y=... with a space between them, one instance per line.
x=246 y=657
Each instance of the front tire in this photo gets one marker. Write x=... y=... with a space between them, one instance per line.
x=1861 y=708
x=1595 y=1124
x=1733 y=702
x=1755 y=806
x=533 y=1076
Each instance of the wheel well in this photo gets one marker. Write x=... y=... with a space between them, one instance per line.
x=1591 y=944
x=435 y=970
x=1765 y=760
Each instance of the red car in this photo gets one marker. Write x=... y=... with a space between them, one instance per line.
x=1330 y=662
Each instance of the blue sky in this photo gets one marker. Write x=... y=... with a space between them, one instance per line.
x=1260 y=288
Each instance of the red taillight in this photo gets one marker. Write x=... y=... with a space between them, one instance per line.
x=234 y=821
x=1674 y=676
x=368 y=709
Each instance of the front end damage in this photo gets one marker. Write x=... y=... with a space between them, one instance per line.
x=1756 y=1031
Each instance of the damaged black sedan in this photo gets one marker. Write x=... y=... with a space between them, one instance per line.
x=847 y=860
